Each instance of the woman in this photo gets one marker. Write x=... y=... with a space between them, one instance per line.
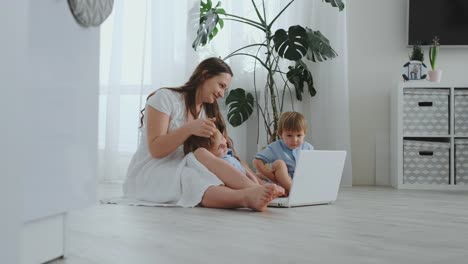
x=160 y=173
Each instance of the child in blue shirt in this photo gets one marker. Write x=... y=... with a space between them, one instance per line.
x=217 y=145
x=278 y=160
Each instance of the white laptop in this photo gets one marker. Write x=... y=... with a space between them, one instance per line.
x=316 y=178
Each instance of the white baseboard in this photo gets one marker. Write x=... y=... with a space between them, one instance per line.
x=43 y=240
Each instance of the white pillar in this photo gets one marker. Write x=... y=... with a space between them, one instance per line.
x=13 y=41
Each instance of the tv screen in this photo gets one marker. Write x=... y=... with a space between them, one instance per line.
x=446 y=19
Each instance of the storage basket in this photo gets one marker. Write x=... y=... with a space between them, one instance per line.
x=426 y=111
x=461 y=161
x=461 y=112
x=426 y=162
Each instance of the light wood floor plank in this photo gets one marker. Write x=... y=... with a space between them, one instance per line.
x=365 y=225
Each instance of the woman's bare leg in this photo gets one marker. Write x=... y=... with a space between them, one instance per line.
x=255 y=198
x=281 y=175
x=229 y=175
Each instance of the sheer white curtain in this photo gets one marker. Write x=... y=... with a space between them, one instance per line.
x=146 y=45
x=328 y=111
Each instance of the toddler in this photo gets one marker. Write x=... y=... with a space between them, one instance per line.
x=278 y=160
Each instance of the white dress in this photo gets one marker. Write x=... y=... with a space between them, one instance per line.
x=174 y=179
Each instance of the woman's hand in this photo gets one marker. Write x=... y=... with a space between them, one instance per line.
x=202 y=127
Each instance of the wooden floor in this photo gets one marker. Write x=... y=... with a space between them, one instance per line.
x=365 y=225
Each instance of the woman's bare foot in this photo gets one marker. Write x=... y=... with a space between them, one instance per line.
x=280 y=190
x=258 y=197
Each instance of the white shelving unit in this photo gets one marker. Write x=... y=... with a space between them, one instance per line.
x=398 y=136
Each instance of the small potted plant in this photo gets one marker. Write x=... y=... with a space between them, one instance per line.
x=415 y=68
x=417 y=54
x=435 y=74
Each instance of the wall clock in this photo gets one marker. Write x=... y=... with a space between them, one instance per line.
x=91 y=12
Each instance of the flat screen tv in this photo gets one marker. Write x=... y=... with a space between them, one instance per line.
x=446 y=19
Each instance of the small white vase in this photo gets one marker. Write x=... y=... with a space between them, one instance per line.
x=435 y=76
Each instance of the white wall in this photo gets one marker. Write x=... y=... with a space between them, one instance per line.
x=48 y=115
x=13 y=16
x=377 y=51
x=59 y=111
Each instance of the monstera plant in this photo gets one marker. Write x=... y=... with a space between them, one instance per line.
x=295 y=44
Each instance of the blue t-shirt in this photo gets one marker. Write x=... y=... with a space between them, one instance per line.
x=232 y=160
x=279 y=150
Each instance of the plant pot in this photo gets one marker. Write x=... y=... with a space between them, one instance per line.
x=435 y=76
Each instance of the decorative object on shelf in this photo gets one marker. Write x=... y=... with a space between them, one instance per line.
x=91 y=12
x=435 y=74
x=415 y=69
x=295 y=44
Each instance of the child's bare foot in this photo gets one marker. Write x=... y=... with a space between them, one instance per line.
x=258 y=197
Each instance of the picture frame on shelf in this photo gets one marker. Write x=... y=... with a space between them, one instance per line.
x=414 y=70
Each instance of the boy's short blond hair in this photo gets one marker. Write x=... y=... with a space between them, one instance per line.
x=292 y=121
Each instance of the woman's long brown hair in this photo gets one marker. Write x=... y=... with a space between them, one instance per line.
x=207 y=69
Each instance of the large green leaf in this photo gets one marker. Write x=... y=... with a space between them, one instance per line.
x=209 y=24
x=336 y=3
x=319 y=48
x=298 y=75
x=240 y=106
x=291 y=45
